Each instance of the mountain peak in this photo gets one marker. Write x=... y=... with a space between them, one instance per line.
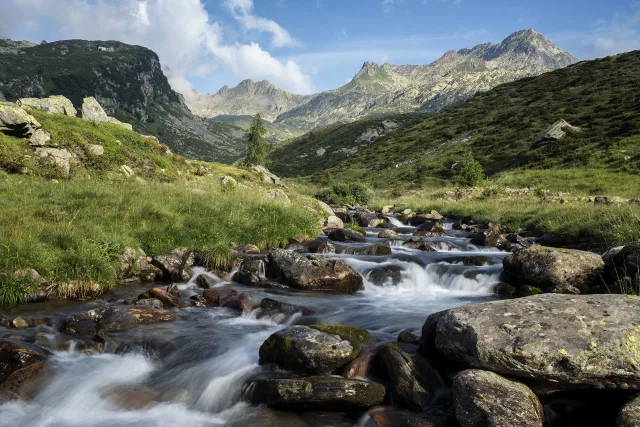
x=368 y=69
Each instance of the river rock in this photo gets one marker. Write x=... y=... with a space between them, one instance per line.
x=423 y=218
x=369 y=219
x=386 y=275
x=560 y=341
x=24 y=383
x=317 y=393
x=622 y=261
x=385 y=416
x=419 y=244
x=360 y=366
x=485 y=399
x=57 y=104
x=271 y=306
x=407 y=337
x=168 y=300
x=388 y=234
x=16 y=355
x=492 y=237
x=110 y=319
x=333 y=222
x=19 y=322
x=346 y=235
x=150 y=302
x=545 y=267
x=375 y=249
x=174 y=263
x=205 y=281
x=219 y=297
x=91 y=110
x=411 y=378
x=629 y=415
x=321 y=246
x=311 y=272
x=306 y=350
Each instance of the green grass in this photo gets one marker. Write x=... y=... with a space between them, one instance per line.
x=608 y=226
x=76 y=231
x=499 y=126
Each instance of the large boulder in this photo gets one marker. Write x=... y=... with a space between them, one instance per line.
x=16 y=121
x=92 y=110
x=317 y=393
x=61 y=158
x=629 y=415
x=25 y=383
x=485 y=399
x=411 y=378
x=54 y=104
x=168 y=300
x=306 y=350
x=375 y=249
x=174 y=264
x=555 y=341
x=16 y=355
x=111 y=319
x=312 y=272
x=544 y=267
x=623 y=261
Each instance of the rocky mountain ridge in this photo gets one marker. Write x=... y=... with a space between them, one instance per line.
x=126 y=80
x=392 y=89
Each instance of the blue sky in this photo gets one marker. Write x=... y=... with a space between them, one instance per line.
x=311 y=45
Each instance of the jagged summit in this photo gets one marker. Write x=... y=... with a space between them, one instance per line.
x=388 y=89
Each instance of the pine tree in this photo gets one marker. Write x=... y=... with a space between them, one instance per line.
x=471 y=172
x=257 y=144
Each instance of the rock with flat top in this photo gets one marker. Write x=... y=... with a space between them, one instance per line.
x=57 y=104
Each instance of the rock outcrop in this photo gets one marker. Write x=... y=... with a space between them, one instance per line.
x=561 y=342
x=92 y=110
x=57 y=104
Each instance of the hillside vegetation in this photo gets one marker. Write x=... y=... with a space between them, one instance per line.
x=602 y=97
x=73 y=229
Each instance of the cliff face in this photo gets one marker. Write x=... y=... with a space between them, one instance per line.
x=127 y=81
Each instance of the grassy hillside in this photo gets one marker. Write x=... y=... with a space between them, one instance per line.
x=129 y=84
x=325 y=148
x=602 y=97
x=74 y=229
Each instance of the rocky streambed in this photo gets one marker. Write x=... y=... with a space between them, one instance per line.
x=401 y=327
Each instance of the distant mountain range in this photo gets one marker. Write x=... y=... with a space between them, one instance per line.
x=391 y=89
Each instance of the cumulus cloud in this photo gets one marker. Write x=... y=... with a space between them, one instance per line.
x=242 y=11
x=180 y=32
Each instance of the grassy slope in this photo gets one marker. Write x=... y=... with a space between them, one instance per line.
x=499 y=126
x=75 y=229
x=298 y=156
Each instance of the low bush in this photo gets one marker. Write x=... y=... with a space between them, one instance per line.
x=350 y=193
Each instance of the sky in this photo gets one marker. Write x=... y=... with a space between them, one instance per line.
x=306 y=46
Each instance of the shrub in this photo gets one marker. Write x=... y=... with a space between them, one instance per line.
x=343 y=192
x=471 y=172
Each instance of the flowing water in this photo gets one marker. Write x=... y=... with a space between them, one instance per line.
x=195 y=369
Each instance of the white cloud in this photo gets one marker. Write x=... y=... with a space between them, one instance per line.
x=242 y=11
x=180 y=32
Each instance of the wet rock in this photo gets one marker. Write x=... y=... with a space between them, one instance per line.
x=504 y=290
x=273 y=306
x=252 y=270
x=425 y=218
x=113 y=319
x=411 y=378
x=131 y=398
x=486 y=399
x=375 y=249
x=545 y=267
x=366 y=219
x=321 y=246
x=491 y=237
x=419 y=244
x=85 y=324
x=150 y=302
x=219 y=297
x=16 y=355
x=388 y=234
x=168 y=300
x=334 y=222
x=563 y=341
x=312 y=273
x=19 y=322
x=305 y=350
x=205 y=281
x=319 y=393
x=386 y=416
x=346 y=217
x=360 y=366
x=346 y=235
x=386 y=275
x=172 y=264
x=629 y=415
x=358 y=337
x=25 y=383
x=150 y=315
x=407 y=337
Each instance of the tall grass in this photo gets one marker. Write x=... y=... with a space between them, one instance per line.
x=76 y=231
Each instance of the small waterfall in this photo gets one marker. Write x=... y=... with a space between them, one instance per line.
x=394 y=221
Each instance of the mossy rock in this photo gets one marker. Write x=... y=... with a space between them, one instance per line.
x=358 y=337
